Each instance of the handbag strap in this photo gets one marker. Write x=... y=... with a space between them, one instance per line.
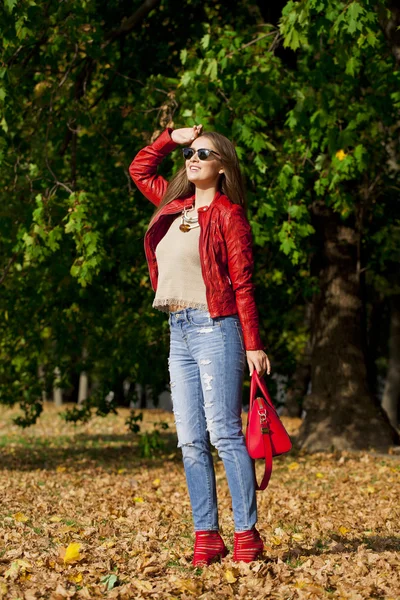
x=257 y=382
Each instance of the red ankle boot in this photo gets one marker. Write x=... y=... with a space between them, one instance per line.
x=247 y=545
x=208 y=546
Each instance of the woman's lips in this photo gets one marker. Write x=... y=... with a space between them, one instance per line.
x=194 y=168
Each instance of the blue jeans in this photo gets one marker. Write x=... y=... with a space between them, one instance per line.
x=206 y=365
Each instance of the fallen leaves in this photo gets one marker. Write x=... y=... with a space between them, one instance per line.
x=20 y=517
x=86 y=518
x=71 y=554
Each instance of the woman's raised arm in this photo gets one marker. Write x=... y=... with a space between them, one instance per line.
x=143 y=168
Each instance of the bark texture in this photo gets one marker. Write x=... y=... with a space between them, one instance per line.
x=300 y=380
x=341 y=412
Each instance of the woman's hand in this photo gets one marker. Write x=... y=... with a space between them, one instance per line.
x=186 y=135
x=258 y=360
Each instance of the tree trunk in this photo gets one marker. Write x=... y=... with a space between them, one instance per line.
x=391 y=394
x=83 y=392
x=341 y=412
x=300 y=380
x=57 y=391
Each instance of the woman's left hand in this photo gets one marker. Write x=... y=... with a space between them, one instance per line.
x=258 y=360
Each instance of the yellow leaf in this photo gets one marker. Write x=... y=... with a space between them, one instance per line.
x=61 y=469
x=371 y=489
x=341 y=154
x=156 y=483
x=276 y=541
x=120 y=471
x=20 y=517
x=75 y=578
x=300 y=583
x=343 y=530
x=292 y=466
x=12 y=572
x=298 y=537
x=319 y=475
x=138 y=499
x=55 y=519
x=230 y=576
x=72 y=553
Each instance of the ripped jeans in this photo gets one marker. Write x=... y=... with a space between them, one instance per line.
x=206 y=365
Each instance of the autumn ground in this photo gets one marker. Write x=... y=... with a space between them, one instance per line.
x=83 y=516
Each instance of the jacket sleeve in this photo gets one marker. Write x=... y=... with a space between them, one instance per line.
x=143 y=168
x=239 y=243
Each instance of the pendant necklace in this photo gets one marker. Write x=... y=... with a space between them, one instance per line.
x=188 y=223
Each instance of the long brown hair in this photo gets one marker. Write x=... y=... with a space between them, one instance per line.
x=230 y=182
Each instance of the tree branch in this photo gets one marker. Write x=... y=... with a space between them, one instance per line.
x=130 y=23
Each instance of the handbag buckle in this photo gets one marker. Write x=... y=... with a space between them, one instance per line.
x=263 y=415
x=265 y=430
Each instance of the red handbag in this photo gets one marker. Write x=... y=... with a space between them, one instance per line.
x=265 y=434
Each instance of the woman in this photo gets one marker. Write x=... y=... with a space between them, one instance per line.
x=199 y=251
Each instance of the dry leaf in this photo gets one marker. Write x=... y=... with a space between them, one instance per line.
x=75 y=578
x=72 y=553
x=230 y=576
x=20 y=517
x=293 y=465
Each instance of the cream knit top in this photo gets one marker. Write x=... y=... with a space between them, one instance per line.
x=180 y=280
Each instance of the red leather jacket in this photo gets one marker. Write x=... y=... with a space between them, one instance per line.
x=225 y=242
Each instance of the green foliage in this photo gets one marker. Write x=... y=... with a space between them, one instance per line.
x=151 y=442
x=132 y=421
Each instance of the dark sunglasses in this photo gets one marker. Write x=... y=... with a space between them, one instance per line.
x=202 y=153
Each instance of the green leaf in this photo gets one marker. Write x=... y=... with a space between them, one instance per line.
x=212 y=69
x=205 y=41
x=183 y=55
x=9 y=4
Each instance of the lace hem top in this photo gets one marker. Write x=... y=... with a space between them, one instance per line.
x=180 y=281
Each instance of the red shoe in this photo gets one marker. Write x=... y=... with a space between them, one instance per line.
x=209 y=546
x=247 y=545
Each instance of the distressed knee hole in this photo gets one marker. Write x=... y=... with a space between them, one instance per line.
x=207 y=380
x=205 y=361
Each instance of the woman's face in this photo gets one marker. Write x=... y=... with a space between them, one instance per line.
x=204 y=173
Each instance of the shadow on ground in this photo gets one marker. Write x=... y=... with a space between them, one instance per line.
x=82 y=451
x=345 y=546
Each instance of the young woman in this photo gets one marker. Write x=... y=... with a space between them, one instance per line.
x=199 y=251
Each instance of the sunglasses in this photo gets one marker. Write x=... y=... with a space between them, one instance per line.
x=202 y=153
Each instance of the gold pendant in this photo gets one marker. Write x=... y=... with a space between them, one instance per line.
x=184 y=227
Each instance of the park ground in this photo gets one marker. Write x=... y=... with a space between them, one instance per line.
x=84 y=515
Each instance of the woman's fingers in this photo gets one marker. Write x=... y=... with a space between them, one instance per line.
x=261 y=364
x=185 y=135
x=196 y=131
